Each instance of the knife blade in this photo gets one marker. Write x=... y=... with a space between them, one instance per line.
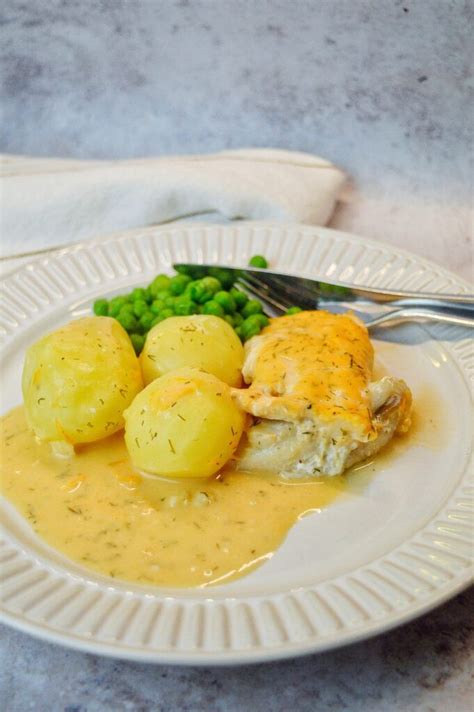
x=309 y=292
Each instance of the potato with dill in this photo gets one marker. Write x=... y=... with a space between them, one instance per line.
x=78 y=380
x=184 y=424
x=198 y=341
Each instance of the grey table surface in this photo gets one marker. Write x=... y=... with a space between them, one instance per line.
x=384 y=89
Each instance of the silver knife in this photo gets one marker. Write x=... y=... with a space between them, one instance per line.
x=280 y=290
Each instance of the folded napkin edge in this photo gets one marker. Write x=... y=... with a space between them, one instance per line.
x=32 y=164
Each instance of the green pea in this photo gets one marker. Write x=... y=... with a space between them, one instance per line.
x=226 y=301
x=146 y=320
x=229 y=319
x=159 y=284
x=128 y=321
x=240 y=298
x=225 y=276
x=126 y=309
x=212 y=307
x=260 y=319
x=167 y=313
x=101 y=307
x=252 y=307
x=178 y=284
x=162 y=294
x=115 y=305
x=190 y=285
x=140 y=307
x=211 y=284
x=238 y=331
x=185 y=306
x=237 y=318
x=157 y=306
x=206 y=296
x=138 y=342
x=195 y=290
x=138 y=293
x=169 y=302
x=250 y=327
x=202 y=290
x=148 y=295
x=181 y=299
x=258 y=261
x=293 y=310
x=254 y=320
x=250 y=332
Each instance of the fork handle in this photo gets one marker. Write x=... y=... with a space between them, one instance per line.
x=414 y=314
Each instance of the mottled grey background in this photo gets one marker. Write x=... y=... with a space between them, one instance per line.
x=381 y=87
x=370 y=85
x=384 y=89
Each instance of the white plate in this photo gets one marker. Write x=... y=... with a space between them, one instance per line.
x=398 y=545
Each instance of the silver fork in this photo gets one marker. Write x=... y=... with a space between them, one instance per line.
x=277 y=304
x=376 y=307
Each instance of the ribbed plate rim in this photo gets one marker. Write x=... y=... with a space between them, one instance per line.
x=257 y=653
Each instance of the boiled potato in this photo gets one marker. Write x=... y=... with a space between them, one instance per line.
x=199 y=341
x=78 y=380
x=184 y=424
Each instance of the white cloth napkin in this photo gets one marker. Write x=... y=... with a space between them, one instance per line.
x=51 y=202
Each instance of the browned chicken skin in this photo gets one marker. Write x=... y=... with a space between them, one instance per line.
x=310 y=388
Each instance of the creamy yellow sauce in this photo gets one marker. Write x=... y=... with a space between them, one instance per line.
x=96 y=510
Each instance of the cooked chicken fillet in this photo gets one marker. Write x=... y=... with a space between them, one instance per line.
x=311 y=390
